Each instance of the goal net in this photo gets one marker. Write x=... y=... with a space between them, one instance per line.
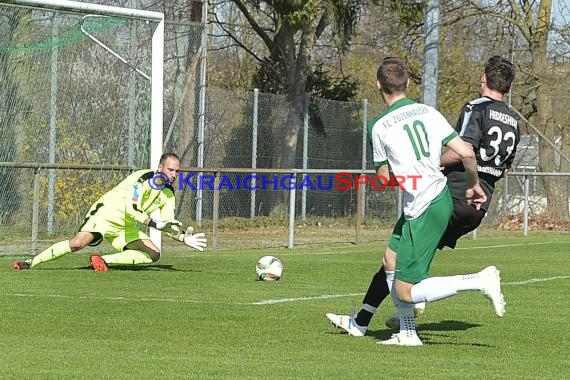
x=77 y=91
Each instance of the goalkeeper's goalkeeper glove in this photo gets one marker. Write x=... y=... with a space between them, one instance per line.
x=197 y=241
x=162 y=225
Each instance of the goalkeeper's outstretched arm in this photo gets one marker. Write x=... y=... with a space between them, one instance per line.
x=198 y=241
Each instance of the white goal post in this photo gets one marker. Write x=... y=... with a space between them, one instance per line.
x=157 y=52
x=156 y=19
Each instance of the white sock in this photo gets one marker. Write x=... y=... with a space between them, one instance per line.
x=468 y=281
x=437 y=288
x=407 y=317
x=405 y=310
x=408 y=324
x=390 y=279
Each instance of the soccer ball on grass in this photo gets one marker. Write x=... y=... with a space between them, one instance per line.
x=269 y=268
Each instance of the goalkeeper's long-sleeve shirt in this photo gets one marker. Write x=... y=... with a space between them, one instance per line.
x=135 y=198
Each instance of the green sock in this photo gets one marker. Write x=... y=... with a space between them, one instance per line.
x=128 y=257
x=55 y=251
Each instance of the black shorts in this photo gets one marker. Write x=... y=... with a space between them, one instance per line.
x=465 y=218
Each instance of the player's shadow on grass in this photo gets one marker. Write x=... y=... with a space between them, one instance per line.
x=448 y=325
x=424 y=330
x=134 y=268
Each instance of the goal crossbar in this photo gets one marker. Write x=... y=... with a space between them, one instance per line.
x=87 y=8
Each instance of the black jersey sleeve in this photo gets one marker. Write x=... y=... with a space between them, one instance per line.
x=469 y=123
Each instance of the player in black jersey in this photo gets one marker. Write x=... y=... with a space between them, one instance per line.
x=490 y=127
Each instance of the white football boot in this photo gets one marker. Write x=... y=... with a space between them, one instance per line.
x=491 y=288
x=403 y=339
x=347 y=323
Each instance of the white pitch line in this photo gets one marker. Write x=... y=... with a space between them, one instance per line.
x=134 y=299
x=326 y=253
x=533 y=280
x=509 y=245
x=381 y=250
x=322 y=297
x=283 y=300
x=223 y=254
x=257 y=303
x=460 y=248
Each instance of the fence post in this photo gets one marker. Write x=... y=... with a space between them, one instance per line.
x=52 y=134
x=305 y=156
x=363 y=158
x=35 y=211
x=254 y=151
x=526 y=206
x=291 y=241
x=505 y=195
x=216 y=210
x=359 y=205
x=202 y=110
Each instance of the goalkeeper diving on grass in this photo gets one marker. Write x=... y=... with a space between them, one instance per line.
x=117 y=216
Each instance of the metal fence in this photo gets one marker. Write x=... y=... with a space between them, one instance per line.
x=240 y=149
x=242 y=132
x=102 y=135
x=372 y=214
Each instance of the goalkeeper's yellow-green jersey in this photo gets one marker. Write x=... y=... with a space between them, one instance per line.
x=135 y=198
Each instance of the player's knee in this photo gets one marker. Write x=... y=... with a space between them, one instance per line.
x=83 y=239
x=154 y=255
x=404 y=295
x=76 y=244
x=389 y=262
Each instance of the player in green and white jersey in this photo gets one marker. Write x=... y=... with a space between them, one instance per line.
x=490 y=127
x=409 y=137
x=117 y=216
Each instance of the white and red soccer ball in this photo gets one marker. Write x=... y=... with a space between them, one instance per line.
x=269 y=268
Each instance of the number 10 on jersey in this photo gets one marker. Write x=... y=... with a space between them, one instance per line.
x=419 y=139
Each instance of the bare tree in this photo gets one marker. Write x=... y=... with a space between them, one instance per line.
x=531 y=28
x=289 y=31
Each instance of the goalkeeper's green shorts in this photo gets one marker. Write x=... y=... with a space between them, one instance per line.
x=118 y=231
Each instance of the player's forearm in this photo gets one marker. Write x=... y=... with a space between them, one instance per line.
x=467 y=154
x=449 y=158
x=383 y=171
x=470 y=165
x=167 y=213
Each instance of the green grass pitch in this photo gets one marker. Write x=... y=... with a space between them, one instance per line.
x=204 y=316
